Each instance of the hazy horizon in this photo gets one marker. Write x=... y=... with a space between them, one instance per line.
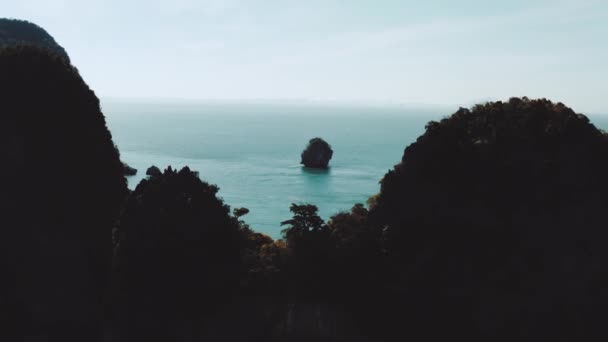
x=436 y=53
x=407 y=108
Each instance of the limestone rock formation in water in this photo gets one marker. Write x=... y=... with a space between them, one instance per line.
x=128 y=170
x=317 y=154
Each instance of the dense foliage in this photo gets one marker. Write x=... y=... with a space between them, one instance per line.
x=317 y=154
x=307 y=238
x=179 y=253
x=62 y=190
x=20 y=32
x=497 y=212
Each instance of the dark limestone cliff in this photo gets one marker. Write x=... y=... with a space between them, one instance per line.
x=20 y=32
x=56 y=223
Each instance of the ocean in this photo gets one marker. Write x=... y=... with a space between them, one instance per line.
x=252 y=150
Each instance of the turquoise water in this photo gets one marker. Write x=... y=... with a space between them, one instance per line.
x=252 y=151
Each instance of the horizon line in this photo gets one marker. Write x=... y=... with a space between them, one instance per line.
x=321 y=102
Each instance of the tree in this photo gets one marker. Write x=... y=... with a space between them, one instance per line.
x=180 y=253
x=357 y=242
x=305 y=220
x=308 y=247
x=358 y=275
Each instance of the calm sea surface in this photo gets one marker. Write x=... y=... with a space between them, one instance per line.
x=252 y=151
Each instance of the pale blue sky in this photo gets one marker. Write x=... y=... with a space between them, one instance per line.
x=442 y=52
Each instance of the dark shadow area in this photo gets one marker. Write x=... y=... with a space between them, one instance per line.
x=493 y=224
x=178 y=256
x=62 y=191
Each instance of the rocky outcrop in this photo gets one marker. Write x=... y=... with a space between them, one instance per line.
x=20 y=32
x=317 y=154
x=128 y=170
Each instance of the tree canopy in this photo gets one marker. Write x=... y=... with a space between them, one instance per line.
x=179 y=250
x=493 y=201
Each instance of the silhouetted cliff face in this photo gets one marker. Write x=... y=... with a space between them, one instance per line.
x=495 y=219
x=20 y=32
x=62 y=189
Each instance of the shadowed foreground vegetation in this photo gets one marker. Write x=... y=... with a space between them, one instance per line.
x=62 y=189
x=493 y=223
x=491 y=227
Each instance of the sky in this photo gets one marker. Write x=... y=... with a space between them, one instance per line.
x=433 y=52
